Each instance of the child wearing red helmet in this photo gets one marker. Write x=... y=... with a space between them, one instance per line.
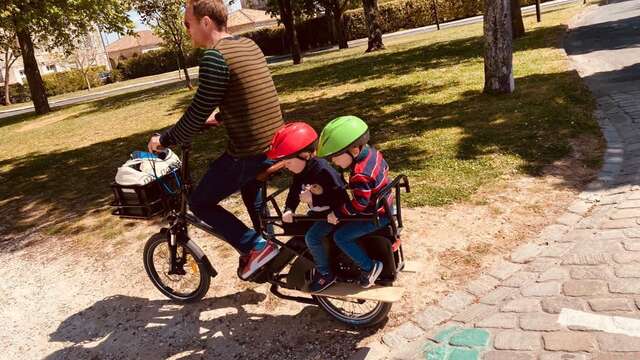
x=315 y=183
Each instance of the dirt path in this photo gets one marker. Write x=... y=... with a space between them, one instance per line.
x=66 y=301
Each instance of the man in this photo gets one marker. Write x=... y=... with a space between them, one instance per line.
x=235 y=78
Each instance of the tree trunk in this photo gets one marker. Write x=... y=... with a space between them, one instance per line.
x=286 y=14
x=36 y=85
x=498 y=57
x=182 y=63
x=7 y=67
x=517 y=24
x=339 y=23
x=373 y=25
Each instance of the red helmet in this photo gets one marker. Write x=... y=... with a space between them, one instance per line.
x=291 y=140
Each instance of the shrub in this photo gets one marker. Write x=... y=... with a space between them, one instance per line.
x=70 y=80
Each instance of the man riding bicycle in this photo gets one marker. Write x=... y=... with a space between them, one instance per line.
x=234 y=77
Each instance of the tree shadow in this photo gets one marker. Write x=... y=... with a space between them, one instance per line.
x=127 y=327
x=610 y=35
x=398 y=63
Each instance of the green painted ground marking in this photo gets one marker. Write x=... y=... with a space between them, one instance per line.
x=470 y=338
x=463 y=354
x=444 y=335
x=437 y=353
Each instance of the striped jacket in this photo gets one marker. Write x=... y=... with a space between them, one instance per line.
x=369 y=175
x=234 y=77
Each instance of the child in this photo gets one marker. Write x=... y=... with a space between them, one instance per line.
x=344 y=141
x=316 y=183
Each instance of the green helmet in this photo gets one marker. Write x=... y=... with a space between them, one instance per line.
x=342 y=133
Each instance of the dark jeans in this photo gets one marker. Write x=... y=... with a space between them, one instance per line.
x=347 y=235
x=225 y=176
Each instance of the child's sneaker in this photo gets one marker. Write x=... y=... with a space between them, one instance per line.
x=367 y=279
x=321 y=282
x=258 y=258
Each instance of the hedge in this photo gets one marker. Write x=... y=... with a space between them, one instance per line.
x=155 y=62
x=70 y=80
x=394 y=16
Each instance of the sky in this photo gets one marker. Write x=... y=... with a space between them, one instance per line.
x=135 y=17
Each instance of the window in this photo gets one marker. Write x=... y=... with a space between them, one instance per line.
x=52 y=68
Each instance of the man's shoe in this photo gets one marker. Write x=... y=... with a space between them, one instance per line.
x=258 y=258
x=321 y=282
x=367 y=279
x=242 y=262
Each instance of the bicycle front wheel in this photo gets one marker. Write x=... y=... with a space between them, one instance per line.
x=190 y=284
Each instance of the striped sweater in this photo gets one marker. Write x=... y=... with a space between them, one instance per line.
x=234 y=77
x=369 y=175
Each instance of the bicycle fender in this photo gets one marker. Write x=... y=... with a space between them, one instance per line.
x=201 y=257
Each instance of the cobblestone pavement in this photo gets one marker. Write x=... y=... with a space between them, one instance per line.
x=573 y=293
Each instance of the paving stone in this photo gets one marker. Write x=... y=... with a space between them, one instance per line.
x=569 y=341
x=609 y=234
x=618 y=342
x=553 y=233
x=629 y=204
x=556 y=249
x=456 y=301
x=409 y=331
x=569 y=218
x=541 y=289
x=628 y=271
x=563 y=356
x=556 y=273
x=432 y=316
x=443 y=335
x=503 y=269
x=373 y=351
x=625 y=286
x=610 y=304
x=594 y=259
x=626 y=257
x=541 y=264
x=632 y=233
x=521 y=305
x=520 y=278
x=499 y=320
x=578 y=235
x=474 y=313
x=619 y=224
x=525 y=253
x=392 y=339
x=616 y=356
x=463 y=354
x=631 y=244
x=580 y=207
x=517 y=340
x=584 y=287
x=590 y=272
x=482 y=285
x=509 y=355
x=470 y=338
x=539 y=322
x=625 y=214
x=597 y=246
x=497 y=295
x=555 y=305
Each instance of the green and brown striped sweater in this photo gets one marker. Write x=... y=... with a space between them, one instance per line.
x=234 y=77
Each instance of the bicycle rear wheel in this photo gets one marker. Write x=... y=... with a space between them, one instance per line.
x=194 y=279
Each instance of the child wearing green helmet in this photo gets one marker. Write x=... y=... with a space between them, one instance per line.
x=345 y=142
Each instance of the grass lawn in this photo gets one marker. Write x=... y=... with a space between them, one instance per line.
x=422 y=97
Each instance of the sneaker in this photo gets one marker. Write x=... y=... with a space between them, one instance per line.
x=242 y=262
x=258 y=258
x=321 y=282
x=367 y=279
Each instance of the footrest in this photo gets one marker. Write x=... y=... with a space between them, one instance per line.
x=411 y=267
x=355 y=291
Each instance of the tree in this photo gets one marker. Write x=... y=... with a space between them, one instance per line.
x=84 y=56
x=287 y=17
x=337 y=8
x=373 y=25
x=498 y=57
x=11 y=50
x=165 y=18
x=517 y=24
x=58 y=22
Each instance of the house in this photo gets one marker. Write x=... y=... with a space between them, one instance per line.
x=90 y=51
x=133 y=45
x=244 y=20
